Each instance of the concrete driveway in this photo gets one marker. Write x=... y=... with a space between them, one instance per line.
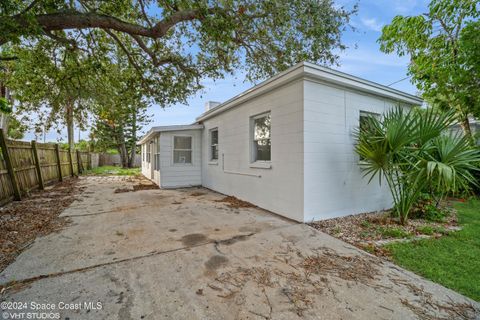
x=181 y=254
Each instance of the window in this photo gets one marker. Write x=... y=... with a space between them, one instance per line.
x=261 y=137
x=143 y=152
x=182 y=149
x=364 y=122
x=149 y=148
x=214 y=144
x=157 y=154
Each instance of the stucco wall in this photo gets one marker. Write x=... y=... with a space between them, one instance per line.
x=280 y=188
x=334 y=183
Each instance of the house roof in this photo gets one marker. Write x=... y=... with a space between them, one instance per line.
x=318 y=73
x=158 y=129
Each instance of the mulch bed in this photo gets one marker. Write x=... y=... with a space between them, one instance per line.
x=371 y=231
x=37 y=215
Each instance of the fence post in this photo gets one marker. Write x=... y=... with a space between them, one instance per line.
x=59 y=163
x=71 y=161
x=11 y=170
x=79 y=160
x=41 y=186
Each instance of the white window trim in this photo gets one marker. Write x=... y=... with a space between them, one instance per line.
x=259 y=164
x=173 y=150
x=210 y=145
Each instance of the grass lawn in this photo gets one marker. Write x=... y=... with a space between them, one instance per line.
x=452 y=260
x=112 y=170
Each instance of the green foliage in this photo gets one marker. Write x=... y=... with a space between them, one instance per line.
x=430 y=230
x=53 y=84
x=16 y=129
x=394 y=232
x=410 y=151
x=427 y=208
x=259 y=37
x=112 y=170
x=443 y=46
x=451 y=260
x=5 y=107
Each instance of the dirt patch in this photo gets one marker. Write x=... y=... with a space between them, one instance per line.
x=22 y=221
x=352 y=268
x=216 y=262
x=137 y=187
x=236 y=203
x=193 y=239
x=197 y=194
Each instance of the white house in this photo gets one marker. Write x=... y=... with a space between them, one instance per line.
x=285 y=145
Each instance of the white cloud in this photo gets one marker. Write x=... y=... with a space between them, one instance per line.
x=372 y=24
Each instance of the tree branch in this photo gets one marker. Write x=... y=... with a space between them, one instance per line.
x=79 y=20
x=127 y=53
x=8 y=58
x=29 y=7
x=60 y=39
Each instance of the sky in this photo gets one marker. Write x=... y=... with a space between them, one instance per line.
x=362 y=58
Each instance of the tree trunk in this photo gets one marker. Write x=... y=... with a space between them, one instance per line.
x=70 y=128
x=4 y=116
x=122 y=148
x=133 y=147
x=465 y=124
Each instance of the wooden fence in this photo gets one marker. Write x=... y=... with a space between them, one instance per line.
x=27 y=166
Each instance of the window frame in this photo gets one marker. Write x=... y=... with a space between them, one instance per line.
x=253 y=152
x=191 y=150
x=211 y=144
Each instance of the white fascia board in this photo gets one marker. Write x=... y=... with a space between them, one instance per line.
x=155 y=130
x=306 y=70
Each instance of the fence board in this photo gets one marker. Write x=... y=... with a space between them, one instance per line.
x=26 y=165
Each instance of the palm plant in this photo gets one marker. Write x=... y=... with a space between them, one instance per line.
x=411 y=152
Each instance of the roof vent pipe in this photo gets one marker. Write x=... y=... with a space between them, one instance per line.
x=211 y=104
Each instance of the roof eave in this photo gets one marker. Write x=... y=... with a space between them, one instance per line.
x=158 y=129
x=311 y=71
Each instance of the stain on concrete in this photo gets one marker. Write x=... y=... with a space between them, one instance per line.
x=216 y=262
x=249 y=229
x=235 y=239
x=172 y=230
x=193 y=239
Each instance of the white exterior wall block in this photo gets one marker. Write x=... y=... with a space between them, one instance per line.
x=334 y=183
x=278 y=189
x=180 y=175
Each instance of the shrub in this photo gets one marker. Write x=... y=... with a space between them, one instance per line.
x=427 y=208
x=411 y=153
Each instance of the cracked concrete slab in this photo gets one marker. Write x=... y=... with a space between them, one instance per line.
x=167 y=254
